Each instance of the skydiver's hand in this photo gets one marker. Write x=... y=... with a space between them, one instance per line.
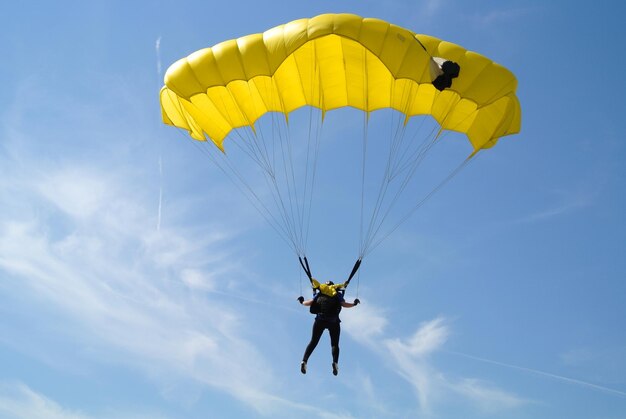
x=357 y=301
x=301 y=299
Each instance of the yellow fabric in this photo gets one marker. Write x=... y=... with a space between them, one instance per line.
x=332 y=61
x=330 y=290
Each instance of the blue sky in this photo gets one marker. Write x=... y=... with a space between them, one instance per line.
x=135 y=282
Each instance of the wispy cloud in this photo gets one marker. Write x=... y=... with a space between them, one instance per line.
x=157 y=48
x=121 y=285
x=547 y=375
x=366 y=324
x=498 y=16
x=18 y=401
x=412 y=360
x=566 y=202
x=431 y=7
x=78 y=239
x=486 y=396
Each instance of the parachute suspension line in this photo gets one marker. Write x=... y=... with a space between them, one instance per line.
x=256 y=144
x=404 y=158
x=288 y=200
x=411 y=167
x=304 y=211
x=313 y=141
x=252 y=144
x=363 y=162
x=431 y=140
x=310 y=166
x=290 y=208
x=245 y=147
x=406 y=100
x=272 y=181
x=447 y=179
x=302 y=207
x=395 y=156
x=223 y=164
x=397 y=128
x=269 y=171
x=364 y=149
x=416 y=156
x=256 y=148
x=259 y=147
x=390 y=205
x=252 y=196
x=382 y=192
x=385 y=181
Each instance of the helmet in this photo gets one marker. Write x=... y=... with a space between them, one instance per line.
x=329 y=283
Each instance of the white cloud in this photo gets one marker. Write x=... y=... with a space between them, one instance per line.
x=486 y=396
x=365 y=323
x=197 y=279
x=431 y=7
x=566 y=203
x=129 y=294
x=411 y=359
x=18 y=401
x=80 y=241
x=429 y=337
x=76 y=192
x=111 y=287
x=499 y=16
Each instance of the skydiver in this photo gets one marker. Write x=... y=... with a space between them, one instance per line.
x=327 y=304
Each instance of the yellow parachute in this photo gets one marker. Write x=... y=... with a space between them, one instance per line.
x=332 y=61
x=328 y=62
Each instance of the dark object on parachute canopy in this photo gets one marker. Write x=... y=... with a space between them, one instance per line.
x=450 y=71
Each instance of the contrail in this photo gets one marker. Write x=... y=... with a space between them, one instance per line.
x=160 y=193
x=544 y=374
x=158 y=54
x=157 y=47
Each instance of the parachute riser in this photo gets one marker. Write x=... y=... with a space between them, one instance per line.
x=304 y=263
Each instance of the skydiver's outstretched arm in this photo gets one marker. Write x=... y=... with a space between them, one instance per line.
x=350 y=305
x=305 y=302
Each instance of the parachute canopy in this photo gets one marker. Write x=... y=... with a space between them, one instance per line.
x=329 y=62
x=332 y=61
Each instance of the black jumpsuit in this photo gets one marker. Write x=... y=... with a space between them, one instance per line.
x=327 y=318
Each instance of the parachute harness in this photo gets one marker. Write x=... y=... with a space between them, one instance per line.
x=316 y=285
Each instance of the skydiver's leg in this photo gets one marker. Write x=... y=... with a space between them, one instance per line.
x=334 y=330
x=318 y=329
